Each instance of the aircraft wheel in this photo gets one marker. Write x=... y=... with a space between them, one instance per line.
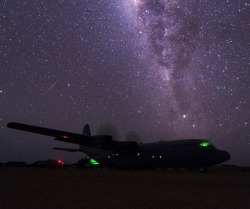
x=203 y=169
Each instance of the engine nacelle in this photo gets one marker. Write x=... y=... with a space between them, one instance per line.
x=127 y=145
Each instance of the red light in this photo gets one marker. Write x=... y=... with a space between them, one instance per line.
x=59 y=161
x=65 y=137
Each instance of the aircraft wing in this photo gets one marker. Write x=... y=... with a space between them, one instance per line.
x=66 y=149
x=99 y=141
x=59 y=135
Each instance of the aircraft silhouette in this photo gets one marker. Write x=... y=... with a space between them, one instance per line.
x=185 y=153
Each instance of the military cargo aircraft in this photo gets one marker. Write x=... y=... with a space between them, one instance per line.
x=107 y=152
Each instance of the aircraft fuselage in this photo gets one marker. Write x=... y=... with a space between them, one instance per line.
x=186 y=153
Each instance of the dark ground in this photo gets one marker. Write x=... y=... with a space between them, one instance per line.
x=33 y=188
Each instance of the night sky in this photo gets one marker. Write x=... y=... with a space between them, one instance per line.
x=167 y=69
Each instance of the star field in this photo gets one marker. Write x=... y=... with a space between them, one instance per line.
x=167 y=69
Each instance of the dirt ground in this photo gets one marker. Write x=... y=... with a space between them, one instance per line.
x=33 y=188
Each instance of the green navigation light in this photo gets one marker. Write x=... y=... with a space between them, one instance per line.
x=93 y=162
x=204 y=144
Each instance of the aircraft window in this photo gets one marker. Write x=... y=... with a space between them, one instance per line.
x=153 y=156
x=160 y=156
x=108 y=156
x=138 y=154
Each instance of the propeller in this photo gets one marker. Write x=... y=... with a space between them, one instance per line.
x=108 y=129
x=133 y=136
x=111 y=130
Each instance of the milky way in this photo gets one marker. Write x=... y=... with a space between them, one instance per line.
x=166 y=69
x=172 y=30
x=172 y=33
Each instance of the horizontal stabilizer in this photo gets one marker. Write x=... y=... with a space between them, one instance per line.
x=66 y=149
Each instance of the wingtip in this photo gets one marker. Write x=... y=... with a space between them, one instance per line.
x=10 y=124
x=14 y=125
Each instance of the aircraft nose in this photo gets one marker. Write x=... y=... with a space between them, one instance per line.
x=225 y=156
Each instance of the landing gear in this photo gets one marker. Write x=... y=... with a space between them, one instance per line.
x=202 y=169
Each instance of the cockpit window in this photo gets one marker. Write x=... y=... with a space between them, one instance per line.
x=204 y=144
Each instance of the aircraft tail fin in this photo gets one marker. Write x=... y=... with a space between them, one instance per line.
x=86 y=130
